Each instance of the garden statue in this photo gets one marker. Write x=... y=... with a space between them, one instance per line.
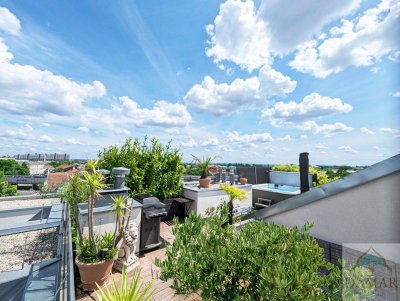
x=126 y=255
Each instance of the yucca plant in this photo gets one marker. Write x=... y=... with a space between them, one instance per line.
x=126 y=292
x=94 y=180
x=234 y=193
x=203 y=164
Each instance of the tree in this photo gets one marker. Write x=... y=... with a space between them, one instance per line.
x=155 y=169
x=12 y=167
x=5 y=188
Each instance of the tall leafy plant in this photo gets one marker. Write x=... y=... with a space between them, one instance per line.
x=155 y=168
x=203 y=164
x=260 y=262
x=234 y=193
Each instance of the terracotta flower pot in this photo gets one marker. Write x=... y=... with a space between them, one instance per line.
x=243 y=181
x=205 y=183
x=92 y=273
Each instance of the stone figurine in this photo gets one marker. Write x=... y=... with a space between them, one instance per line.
x=126 y=255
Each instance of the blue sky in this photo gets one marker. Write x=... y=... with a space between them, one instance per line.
x=249 y=81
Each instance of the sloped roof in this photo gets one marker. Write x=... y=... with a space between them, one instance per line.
x=374 y=172
x=56 y=179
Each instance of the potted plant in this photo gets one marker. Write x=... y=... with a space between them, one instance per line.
x=204 y=165
x=242 y=180
x=96 y=254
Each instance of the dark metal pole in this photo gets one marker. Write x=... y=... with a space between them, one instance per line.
x=303 y=162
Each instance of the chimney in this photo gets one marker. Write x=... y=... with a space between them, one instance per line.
x=303 y=162
x=120 y=173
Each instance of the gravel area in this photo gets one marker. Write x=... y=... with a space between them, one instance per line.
x=40 y=245
x=28 y=203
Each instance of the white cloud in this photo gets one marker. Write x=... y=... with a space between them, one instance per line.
x=211 y=142
x=224 y=98
x=284 y=138
x=360 y=42
x=189 y=144
x=18 y=134
x=395 y=56
x=46 y=139
x=45 y=124
x=28 y=127
x=388 y=130
x=236 y=137
x=325 y=129
x=274 y=83
x=303 y=137
x=239 y=36
x=396 y=94
x=287 y=29
x=74 y=141
x=164 y=114
x=83 y=129
x=9 y=23
x=348 y=149
x=321 y=146
x=367 y=131
x=26 y=90
x=122 y=131
x=312 y=106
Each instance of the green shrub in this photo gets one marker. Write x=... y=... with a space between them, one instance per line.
x=5 y=189
x=322 y=177
x=154 y=168
x=260 y=262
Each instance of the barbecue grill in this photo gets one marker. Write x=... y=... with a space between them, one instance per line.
x=152 y=211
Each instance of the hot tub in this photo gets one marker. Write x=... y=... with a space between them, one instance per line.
x=270 y=193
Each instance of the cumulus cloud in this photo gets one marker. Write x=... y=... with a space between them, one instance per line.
x=287 y=30
x=239 y=36
x=359 y=42
x=211 y=142
x=348 y=149
x=45 y=124
x=9 y=23
x=312 y=106
x=284 y=138
x=27 y=90
x=18 y=134
x=74 y=141
x=46 y=139
x=189 y=143
x=396 y=94
x=83 y=129
x=162 y=114
x=224 y=98
x=236 y=137
x=324 y=129
x=366 y=131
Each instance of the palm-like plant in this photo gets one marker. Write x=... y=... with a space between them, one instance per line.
x=204 y=164
x=234 y=193
x=120 y=207
x=94 y=180
x=132 y=292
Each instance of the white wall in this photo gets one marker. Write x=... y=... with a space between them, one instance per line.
x=369 y=213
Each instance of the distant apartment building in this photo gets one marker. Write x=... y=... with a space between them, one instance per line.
x=42 y=157
x=37 y=167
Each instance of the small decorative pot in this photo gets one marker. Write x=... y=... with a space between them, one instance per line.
x=205 y=183
x=243 y=181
